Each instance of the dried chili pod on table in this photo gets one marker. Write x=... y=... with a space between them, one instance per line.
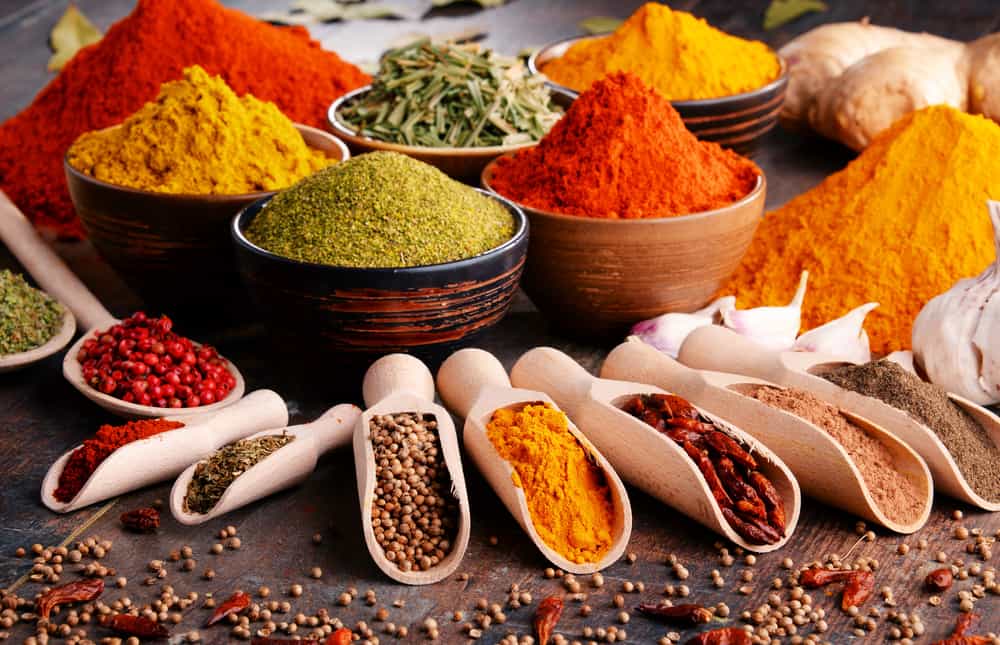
x=233 y=605
x=689 y=614
x=546 y=617
x=77 y=591
x=859 y=588
x=141 y=520
x=138 y=626
x=724 y=636
x=816 y=577
x=959 y=636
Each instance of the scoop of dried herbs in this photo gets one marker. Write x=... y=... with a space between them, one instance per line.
x=28 y=317
x=450 y=95
x=214 y=475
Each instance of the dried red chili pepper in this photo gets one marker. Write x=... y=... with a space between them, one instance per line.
x=775 y=505
x=724 y=636
x=233 y=605
x=859 y=588
x=751 y=530
x=546 y=617
x=267 y=640
x=958 y=635
x=673 y=405
x=141 y=520
x=138 y=626
x=342 y=636
x=693 y=425
x=964 y=623
x=78 y=591
x=727 y=447
x=817 y=577
x=746 y=498
x=708 y=472
x=939 y=580
x=677 y=614
x=680 y=435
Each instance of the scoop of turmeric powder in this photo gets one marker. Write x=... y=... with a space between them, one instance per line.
x=199 y=137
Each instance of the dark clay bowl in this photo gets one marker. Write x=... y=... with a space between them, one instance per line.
x=169 y=248
x=738 y=122
x=426 y=310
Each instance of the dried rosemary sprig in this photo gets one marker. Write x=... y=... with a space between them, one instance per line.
x=452 y=96
x=213 y=476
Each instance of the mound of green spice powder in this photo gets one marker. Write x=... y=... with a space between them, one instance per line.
x=28 y=317
x=381 y=209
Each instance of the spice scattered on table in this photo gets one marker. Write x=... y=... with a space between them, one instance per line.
x=452 y=96
x=142 y=360
x=84 y=460
x=199 y=137
x=968 y=442
x=149 y=47
x=622 y=151
x=896 y=495
x=214 y=475
x=748 y=500
x=29 y=318
x=414 y=514
x=846 y=231
x=679 y=54
x=380 y=209
x=567 y=493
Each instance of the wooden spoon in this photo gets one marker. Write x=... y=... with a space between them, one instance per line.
x=648 y=458
x=162 y=456
x=473 y=385
x=52 y=274
x=394 y=384
x=822 y=467
x=719 y=349
x=285 y=467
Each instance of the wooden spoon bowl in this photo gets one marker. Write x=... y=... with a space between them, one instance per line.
x=53 y=345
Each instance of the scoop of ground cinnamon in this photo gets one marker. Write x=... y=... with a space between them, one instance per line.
x=896 y=496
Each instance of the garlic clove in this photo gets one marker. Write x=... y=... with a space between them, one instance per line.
x=771 y=327
x=667 y=332
x=903 y=358
x=988 y=333
x=844 y=337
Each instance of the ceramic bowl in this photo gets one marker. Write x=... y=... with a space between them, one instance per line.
x=463 y=164
x=425 y=310
x=160 y=242
x=593 y=278
x=737 y=122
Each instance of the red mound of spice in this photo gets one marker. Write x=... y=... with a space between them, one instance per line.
x=85 y=459
x=622 y=151
x=108 y=81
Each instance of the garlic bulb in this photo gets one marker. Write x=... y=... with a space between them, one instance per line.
x=844 y=338
x=667 y=332
x=771 y=327
x=954 y=333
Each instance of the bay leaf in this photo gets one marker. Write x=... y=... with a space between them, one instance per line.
x=71 y=33
x=781 y=12
x=599 y=24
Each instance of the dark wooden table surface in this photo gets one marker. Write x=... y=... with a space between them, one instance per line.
x=41 y=415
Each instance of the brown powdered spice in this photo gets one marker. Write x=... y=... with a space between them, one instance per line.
x=896 y=496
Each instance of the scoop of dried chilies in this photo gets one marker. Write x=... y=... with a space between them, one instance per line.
x=546 y=617
x=233 y=605
x=858 y=588
x=748 y=500
x=138 y=626
x=78 y=591
x=724 y=636
x=677 y=614
x=141 y=520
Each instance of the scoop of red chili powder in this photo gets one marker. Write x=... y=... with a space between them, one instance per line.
x=622 y=151
x=108 y=81
x=85 y=459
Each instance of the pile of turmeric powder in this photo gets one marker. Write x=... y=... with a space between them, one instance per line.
x=679 y=54
x=899 y=225
x=199 y=137
x=568 y=496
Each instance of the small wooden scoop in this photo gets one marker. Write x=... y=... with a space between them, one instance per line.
x=473 y=384
x=719 y=349
x=823 y=468
x=285 y=467
x=162 y=456
x=647 y=458
x=394 y=384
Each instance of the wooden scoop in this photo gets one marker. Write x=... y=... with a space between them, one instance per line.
x=162 y=456
x=52 y=274
x=285 y=467
x=473 y=384
x=394 y=384
x=822 y=467
x=719 y=349
x=646 y=457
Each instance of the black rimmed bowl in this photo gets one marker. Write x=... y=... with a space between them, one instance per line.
x=737 y=122
x=427 y=310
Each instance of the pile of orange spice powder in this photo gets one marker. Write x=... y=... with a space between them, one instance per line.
x=622 y=151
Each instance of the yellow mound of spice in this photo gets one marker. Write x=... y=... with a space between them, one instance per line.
x=568 y=496
x=675 y=52
x=199 y=137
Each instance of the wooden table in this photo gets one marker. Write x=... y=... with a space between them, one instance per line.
x=41 y=415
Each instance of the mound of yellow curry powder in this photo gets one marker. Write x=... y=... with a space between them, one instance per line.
x=679 y=54
x=199 y=137
x=900 y=224
x=567 y=494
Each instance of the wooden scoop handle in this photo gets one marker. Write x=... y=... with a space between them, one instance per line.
x=637 y=361
x=48 y=269
x=723 y=350
x=549 y=370
x=333 y=429
x=262 y=409
x=397 y=373
x=464 y=375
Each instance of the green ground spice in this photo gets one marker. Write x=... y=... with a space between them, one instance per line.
x=214 y=475
x=28 y=317
x=381 y=209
